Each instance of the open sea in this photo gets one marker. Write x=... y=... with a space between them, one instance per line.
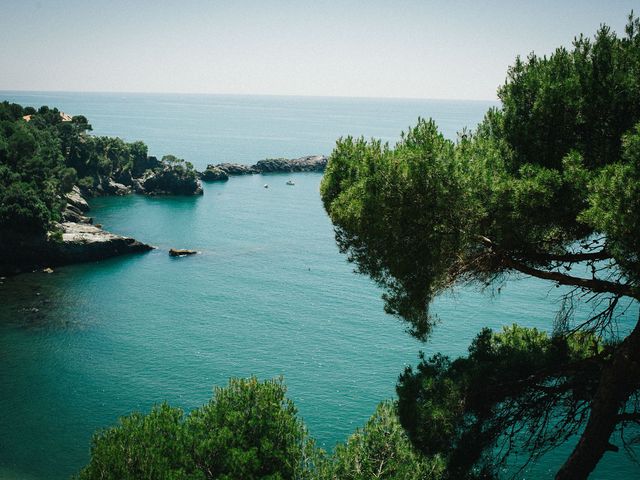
x=269 y=295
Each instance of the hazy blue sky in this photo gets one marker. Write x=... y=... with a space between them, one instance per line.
x=402 y=48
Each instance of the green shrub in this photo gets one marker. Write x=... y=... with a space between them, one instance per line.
x=248 y=430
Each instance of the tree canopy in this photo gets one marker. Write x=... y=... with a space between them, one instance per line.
x=250 y=430
x=43 y=154
x=546 y=186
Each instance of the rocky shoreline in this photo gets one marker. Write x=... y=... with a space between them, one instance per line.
x=75 y=239
x=69 y=243
x=222 y=171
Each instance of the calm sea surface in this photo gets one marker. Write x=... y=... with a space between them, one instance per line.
x=270 y=295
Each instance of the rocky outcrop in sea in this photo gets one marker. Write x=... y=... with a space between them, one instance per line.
x=222 y=171
x=168 y=180
x=314 y=163
x=214 y=174
x=82 y=242
x=75 y=239
x=174 y=177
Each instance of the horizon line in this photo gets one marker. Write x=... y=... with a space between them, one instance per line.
x=363 y=97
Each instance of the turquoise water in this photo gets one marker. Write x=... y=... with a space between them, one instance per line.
x=269 y=294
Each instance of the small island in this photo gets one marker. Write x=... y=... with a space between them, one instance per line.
x=222 y=171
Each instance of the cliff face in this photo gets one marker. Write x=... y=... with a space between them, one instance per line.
x=80 y=242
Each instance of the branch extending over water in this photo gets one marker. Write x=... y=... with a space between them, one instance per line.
x=595 y=285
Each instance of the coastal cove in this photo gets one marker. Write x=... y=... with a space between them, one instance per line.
x=268 y=294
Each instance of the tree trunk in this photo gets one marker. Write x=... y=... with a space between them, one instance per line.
x=618 y=381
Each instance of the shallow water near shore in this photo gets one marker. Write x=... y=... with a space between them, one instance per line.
x=269 y=294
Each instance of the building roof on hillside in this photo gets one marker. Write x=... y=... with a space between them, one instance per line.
x=65 y=117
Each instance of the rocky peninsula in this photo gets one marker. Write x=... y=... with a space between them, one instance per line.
x=74 y=240
x=222 y=171
x=169 y=176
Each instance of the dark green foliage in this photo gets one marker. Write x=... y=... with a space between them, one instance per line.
x=152 y=446
x=614 y=205
x=249 y=430
x=460 y=409
x=140 y=161
x=45 y=154
x=382 y=450
x=585 y=98
x=22 y=210
x=546 y=186
x=32 y=174
x=373 y=193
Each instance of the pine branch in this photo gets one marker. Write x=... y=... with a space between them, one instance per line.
x=594 y=284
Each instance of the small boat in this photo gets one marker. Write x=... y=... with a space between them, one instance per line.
x=266 y=185
x=290 y=182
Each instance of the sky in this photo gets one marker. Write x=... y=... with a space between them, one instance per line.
x=401 y=48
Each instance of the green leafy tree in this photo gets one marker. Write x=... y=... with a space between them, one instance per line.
x=152 y=446
x=21 y=209
x=249 y=430
x=546 y=186
x=382 y=450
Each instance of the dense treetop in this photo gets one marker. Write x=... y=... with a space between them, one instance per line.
x=548 y=185
x=43 y=153
x=250 y=430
